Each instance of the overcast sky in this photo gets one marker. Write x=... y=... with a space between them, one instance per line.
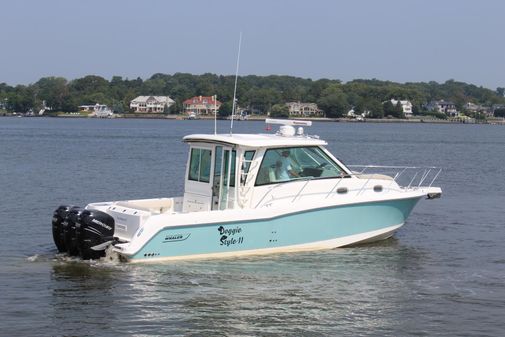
x=397 y=40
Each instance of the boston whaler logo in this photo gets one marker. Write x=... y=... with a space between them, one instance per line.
x=230 y=236
x=176 y=237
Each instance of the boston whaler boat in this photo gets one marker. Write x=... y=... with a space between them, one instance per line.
x=250 y=194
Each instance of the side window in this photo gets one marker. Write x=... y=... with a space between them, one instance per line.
x=248 y=156
x=232 y=171
x=199 y=166
x=194 y=165
x=246 y=164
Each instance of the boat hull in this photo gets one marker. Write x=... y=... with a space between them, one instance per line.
x=314 y=229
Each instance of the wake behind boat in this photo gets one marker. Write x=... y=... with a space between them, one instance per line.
x=250 y=194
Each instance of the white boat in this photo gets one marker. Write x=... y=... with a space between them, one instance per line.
x=250 y=194
x=103 y=111
x=192 y=115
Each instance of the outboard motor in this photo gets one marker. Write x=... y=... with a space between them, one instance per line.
x=69 y=230
x=59 y=216
x=96 y=229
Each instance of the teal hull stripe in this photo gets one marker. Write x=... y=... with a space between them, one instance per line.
x=291 y=229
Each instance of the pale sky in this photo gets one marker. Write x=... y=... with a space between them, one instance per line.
x=396 y=40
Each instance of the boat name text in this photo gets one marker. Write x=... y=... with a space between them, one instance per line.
x=229 y=236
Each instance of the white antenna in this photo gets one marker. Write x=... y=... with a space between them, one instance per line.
x=215 y=114
x=235 y=89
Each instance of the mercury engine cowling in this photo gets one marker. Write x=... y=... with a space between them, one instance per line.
x=69 y=230
x=59 y=216
x=96 y=228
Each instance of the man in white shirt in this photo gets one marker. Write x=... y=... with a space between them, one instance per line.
x=284 y=170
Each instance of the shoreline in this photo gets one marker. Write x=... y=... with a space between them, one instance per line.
x=418 y=119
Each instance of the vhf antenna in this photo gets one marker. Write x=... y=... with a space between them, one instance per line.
x=235 y=89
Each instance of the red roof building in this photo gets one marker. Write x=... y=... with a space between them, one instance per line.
x=201 y=105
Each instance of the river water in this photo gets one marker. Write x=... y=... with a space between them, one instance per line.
x=442 y=274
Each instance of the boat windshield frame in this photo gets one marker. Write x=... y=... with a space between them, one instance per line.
x=316 y=171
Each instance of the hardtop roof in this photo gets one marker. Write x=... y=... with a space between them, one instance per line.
x=256 y=140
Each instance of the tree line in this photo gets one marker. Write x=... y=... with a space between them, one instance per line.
x=257 y=94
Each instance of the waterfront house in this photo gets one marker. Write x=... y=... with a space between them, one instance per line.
x=476 y=108
x=201 y=105
x=471 y=107
x=447 y=107
x=300 y=109
x=406 y=106
x=151 y=104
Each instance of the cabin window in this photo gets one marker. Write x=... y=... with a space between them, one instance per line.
x=246 y=164
x=232 y=167
x=286 y=164
x=199 y=165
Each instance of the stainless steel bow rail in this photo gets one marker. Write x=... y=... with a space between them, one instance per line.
x=407 y=177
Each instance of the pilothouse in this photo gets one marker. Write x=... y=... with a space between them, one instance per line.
x=250 y=194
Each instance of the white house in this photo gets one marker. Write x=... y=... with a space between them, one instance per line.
x=406 y=106
x=472 y=107
x=303 y=109
x=447 y=107
x=151 y=104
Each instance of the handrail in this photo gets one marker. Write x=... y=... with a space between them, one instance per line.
x=420 y=174
x=301 y=190
x=413 y=180
x=395 y=167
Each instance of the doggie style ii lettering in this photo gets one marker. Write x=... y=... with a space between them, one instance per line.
x=229 y=236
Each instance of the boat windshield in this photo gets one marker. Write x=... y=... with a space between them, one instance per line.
x=286 y=164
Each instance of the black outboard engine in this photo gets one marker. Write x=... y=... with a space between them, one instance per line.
x=95 y=228
x=59 y=216
x=69 y=230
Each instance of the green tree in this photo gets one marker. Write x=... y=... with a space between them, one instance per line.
x=261 y=99
x=225 y=109
x=21 y=99
x=389 y=109
x=333 y=101
x=154 y=86
x=117 y=106
x=375 y=108
x=256 y=93
x=371 y=107
x=399 y=110
x=334 y=105
x=55 y=91
x=87 y=86
x=280 y=111
x=416 y=110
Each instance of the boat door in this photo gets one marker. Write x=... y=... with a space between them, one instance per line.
x=223 y=184
x=197 y=189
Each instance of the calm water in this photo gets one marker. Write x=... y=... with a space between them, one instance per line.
x=442 y=274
